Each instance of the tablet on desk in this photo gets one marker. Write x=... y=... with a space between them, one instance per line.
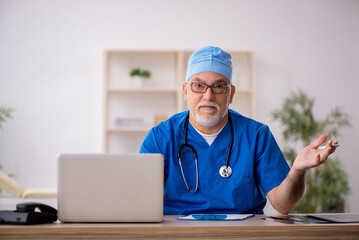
x=320 y=218
x=332 y=218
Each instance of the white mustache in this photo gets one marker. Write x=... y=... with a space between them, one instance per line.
x=210 y=104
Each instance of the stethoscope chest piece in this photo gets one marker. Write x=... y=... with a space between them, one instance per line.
x=225 y=171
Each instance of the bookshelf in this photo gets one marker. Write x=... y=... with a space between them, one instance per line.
x=130 y=111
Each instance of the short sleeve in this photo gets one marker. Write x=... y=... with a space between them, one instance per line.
x=149 y=144
x=271 y=168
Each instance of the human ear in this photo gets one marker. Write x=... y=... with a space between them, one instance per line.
x=233 y=91
x=184 y=89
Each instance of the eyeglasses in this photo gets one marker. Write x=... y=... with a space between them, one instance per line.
x=218 y=88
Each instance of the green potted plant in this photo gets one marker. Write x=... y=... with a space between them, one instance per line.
x=5 y=113
x=139 y=75
x=327 y=185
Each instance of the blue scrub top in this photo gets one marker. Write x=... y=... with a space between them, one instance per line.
x=257 y=162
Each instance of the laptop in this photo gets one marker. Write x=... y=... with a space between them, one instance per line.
x=110 y=187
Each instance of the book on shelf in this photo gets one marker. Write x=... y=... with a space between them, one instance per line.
x=9 y=185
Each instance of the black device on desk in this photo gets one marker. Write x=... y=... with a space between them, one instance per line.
x=29 y=213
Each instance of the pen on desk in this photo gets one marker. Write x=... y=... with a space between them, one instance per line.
x=323 y=147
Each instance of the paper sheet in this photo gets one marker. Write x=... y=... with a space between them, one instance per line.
x=215 y=217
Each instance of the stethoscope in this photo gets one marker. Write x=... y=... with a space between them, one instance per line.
x=225 y=171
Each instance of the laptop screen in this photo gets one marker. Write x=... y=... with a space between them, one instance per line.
x=110 y=187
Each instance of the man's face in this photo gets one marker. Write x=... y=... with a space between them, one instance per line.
x=208 y=109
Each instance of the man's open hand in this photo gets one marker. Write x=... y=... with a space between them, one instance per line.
x=311 y=156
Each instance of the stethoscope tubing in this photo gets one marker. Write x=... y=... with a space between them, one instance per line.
x=185 y=144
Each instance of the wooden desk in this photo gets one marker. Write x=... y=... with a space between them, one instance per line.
x=170 y=228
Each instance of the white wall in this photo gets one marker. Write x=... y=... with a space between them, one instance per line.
x=51 y=65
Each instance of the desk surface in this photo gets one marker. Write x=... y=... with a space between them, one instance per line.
x=170 y=228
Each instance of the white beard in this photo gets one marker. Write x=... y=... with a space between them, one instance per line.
x=210 y=120
x=207 y=120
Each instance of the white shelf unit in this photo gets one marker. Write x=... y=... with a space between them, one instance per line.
x=129 y=111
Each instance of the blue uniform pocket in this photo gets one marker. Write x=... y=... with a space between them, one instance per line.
x=246 y=194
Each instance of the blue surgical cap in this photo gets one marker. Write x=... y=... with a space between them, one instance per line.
x=210 y=59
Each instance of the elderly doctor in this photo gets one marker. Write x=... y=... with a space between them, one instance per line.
x=218 y=161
